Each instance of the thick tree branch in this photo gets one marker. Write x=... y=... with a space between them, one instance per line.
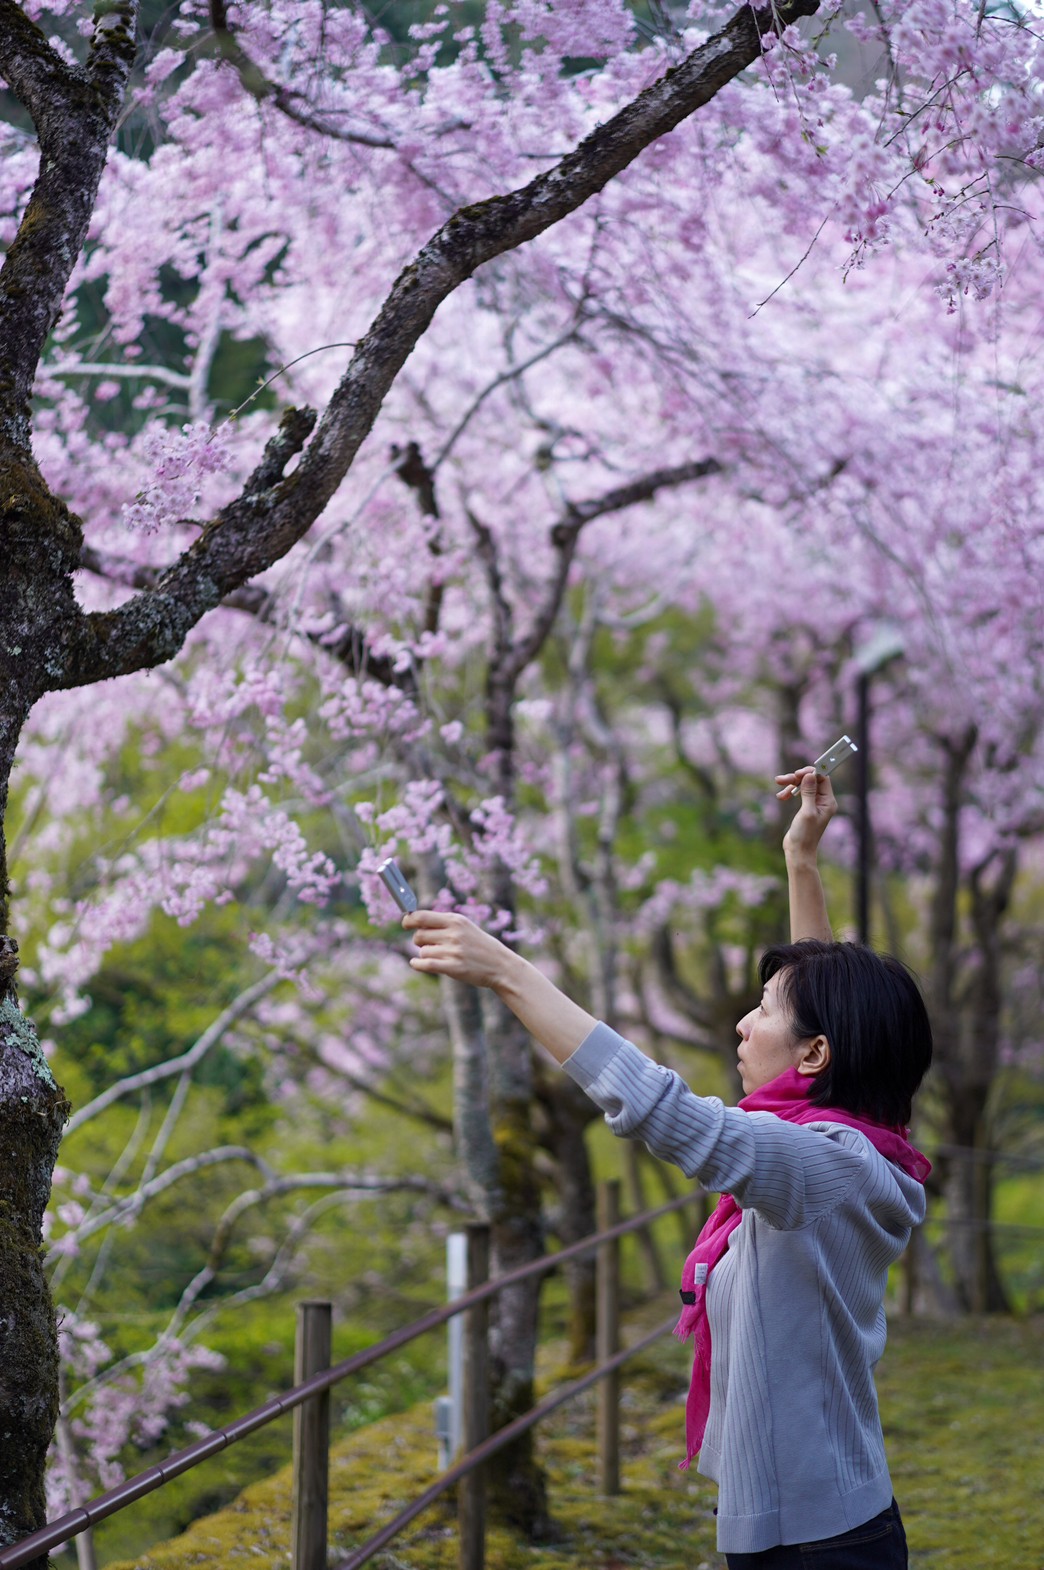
x=255 y=531
x=74 y=111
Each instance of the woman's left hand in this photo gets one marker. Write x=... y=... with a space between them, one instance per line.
x=817 y=804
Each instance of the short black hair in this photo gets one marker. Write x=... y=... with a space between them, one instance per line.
x=869 y=1008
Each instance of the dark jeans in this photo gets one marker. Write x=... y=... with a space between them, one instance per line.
x=879 y=1544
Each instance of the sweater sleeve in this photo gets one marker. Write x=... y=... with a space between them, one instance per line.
x=792 y=1174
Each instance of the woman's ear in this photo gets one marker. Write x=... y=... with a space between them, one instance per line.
x=815 y=1056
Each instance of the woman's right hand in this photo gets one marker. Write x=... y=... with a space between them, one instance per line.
x=450 y=945
x=816 y=806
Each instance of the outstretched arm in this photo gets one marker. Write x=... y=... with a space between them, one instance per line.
x=451 y=945
x=817 y=805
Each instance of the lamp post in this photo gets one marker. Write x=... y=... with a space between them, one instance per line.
x=883 y=645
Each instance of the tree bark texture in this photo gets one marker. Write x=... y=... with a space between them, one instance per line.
x=74 y=110
x=567 y=1113
x=518 y=1489
x=32 y=1113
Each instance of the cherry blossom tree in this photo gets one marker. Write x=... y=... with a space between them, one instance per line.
x=646 y=401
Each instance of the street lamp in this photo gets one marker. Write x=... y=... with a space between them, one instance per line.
x=882 y=646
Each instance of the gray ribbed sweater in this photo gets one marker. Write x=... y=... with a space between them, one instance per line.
x=796 y=1304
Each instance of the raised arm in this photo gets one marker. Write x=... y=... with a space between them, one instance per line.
x=817 y=805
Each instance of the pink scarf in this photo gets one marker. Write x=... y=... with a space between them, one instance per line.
x=787 y=1097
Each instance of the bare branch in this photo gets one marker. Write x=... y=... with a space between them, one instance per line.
x=180 y=1065
x=345 y=1186
x=102 y=1198
x=131 y=1204
x=351 y=649
x=511 y=374
x=116 y=371
x=410 y=1106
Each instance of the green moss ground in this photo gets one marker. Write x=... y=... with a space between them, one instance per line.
x=963 y=1408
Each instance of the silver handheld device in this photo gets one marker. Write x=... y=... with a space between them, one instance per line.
x=827 y=761
x=396 y=884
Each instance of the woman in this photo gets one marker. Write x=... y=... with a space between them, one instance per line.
x=820 y=1190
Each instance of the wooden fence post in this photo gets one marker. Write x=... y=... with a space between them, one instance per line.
x=311 y=1483
x=607 y=1340
x=471 y=1491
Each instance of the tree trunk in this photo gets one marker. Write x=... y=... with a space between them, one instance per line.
x=926 y=1291
x=968 y=1187
x=40 y=545
x=656 y=1275
x=568 y=1113
x=33 y=1110
x=518 y=1488
x=496 y=1146
x=965 y=1001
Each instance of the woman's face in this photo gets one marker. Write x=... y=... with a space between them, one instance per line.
x=767 y=1043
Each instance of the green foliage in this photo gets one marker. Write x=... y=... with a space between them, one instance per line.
x=152 y=999
x=963 y=1428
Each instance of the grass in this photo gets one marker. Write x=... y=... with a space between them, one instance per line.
x=962 y=1404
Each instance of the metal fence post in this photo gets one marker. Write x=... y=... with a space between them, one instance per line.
x=311 y=1485
x=471 y=1494
x=607 y=1340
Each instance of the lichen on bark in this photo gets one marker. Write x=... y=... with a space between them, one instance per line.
x=33 y=1110
x=18 y=1031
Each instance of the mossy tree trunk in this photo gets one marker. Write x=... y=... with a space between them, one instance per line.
x=32 y=1114
x=566 y=1113
x=517 y=1484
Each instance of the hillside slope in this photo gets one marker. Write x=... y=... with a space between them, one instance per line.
x=964 y=1418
